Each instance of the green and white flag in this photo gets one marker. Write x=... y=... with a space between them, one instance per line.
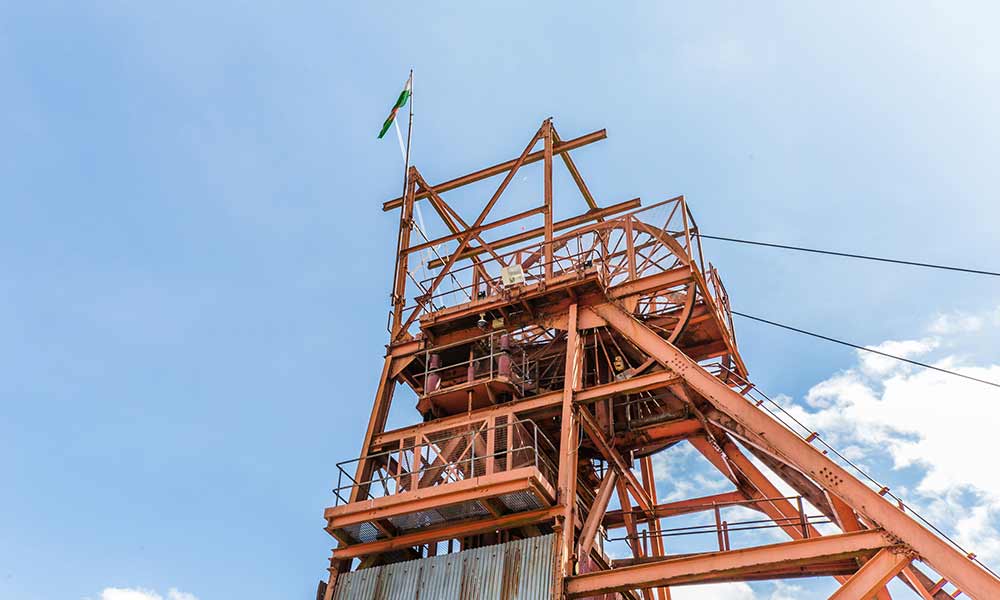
x=400 y=103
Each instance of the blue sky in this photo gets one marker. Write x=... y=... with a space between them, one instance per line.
x=194 y=265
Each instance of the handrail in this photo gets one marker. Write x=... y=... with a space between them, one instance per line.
x=722 y=528
x=597 y=245
x=468 y=463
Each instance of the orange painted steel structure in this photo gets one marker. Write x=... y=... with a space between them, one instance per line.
x=549 y=364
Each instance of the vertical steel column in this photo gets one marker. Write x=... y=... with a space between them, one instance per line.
x=718 y=527
x=630 y=247
x=649 y=483
x=376 y=425
x=402 y=257
x=548 y=198
x=803 y=522
x=418 y=459
x=568 y=441
x=491 y=441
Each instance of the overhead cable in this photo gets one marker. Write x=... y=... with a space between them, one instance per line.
x=849 y=255
x=872 y=350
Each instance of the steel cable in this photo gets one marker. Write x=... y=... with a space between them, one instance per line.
x=848 y=255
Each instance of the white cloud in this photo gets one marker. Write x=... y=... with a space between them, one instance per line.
x=129 y=594
x=978 y=530
x=715 y=591
x=736 y=591
x=963 y=322
x=876 y=365
x=923 y=418
x=786 y=591
x=940 y=425
x=682 y=472
x=144 y=594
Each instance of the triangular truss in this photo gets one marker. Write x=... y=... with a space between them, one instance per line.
x=550 y=364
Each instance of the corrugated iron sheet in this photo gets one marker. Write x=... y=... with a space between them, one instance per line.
x=519 y=570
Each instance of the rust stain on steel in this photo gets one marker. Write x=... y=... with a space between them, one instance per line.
x=512 y=575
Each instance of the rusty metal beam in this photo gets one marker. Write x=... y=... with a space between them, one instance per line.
x=547 y=184
x=654 y=529
x=468 y=490
x=497 y=169
x=633 y=536
x=450 y=531
x=524 y=236
x=597 y=514
x=781 y=510
x=615 y=460
x=652 y=283
x=568 y=446
x=400 y=271
x=467 y=236
x=767 y=432
x=614 y=519
x=660 y=432
x=844 y=515
x=475 y=231
x=376 y=424
x=531 y=406
x=872 y=576
x=713 y=454
x=574 y=172
x=724 y=566
x=919 y=584
x=800 y=483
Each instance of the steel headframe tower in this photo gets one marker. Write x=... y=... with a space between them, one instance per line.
x=549 y=363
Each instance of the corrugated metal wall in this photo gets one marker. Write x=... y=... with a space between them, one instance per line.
x=519 y=570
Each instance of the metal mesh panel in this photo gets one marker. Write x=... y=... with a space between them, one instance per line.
x=462 y=511
x=520 y=501
x=364 y=532
x=415 y=520
x=438 y=516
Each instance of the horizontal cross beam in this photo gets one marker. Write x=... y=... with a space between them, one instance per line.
x=447 y=532
x=722 y=566
x=615 y=519
x=475 y=231
x=531 y=406
x=530 y=234
x=497 y=169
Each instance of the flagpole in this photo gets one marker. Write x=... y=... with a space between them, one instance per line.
x=397 y=310
x=409 y=131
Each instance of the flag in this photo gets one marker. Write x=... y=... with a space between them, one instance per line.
x=400 y=103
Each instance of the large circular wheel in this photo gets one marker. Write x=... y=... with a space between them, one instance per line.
x=669 y=311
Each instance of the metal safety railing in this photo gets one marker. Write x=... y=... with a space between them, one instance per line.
x=722 y=528
x=722 y=305
x=630 y=246
x=450 y=457
x=489 y=356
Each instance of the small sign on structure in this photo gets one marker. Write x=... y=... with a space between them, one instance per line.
x=512 y=275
